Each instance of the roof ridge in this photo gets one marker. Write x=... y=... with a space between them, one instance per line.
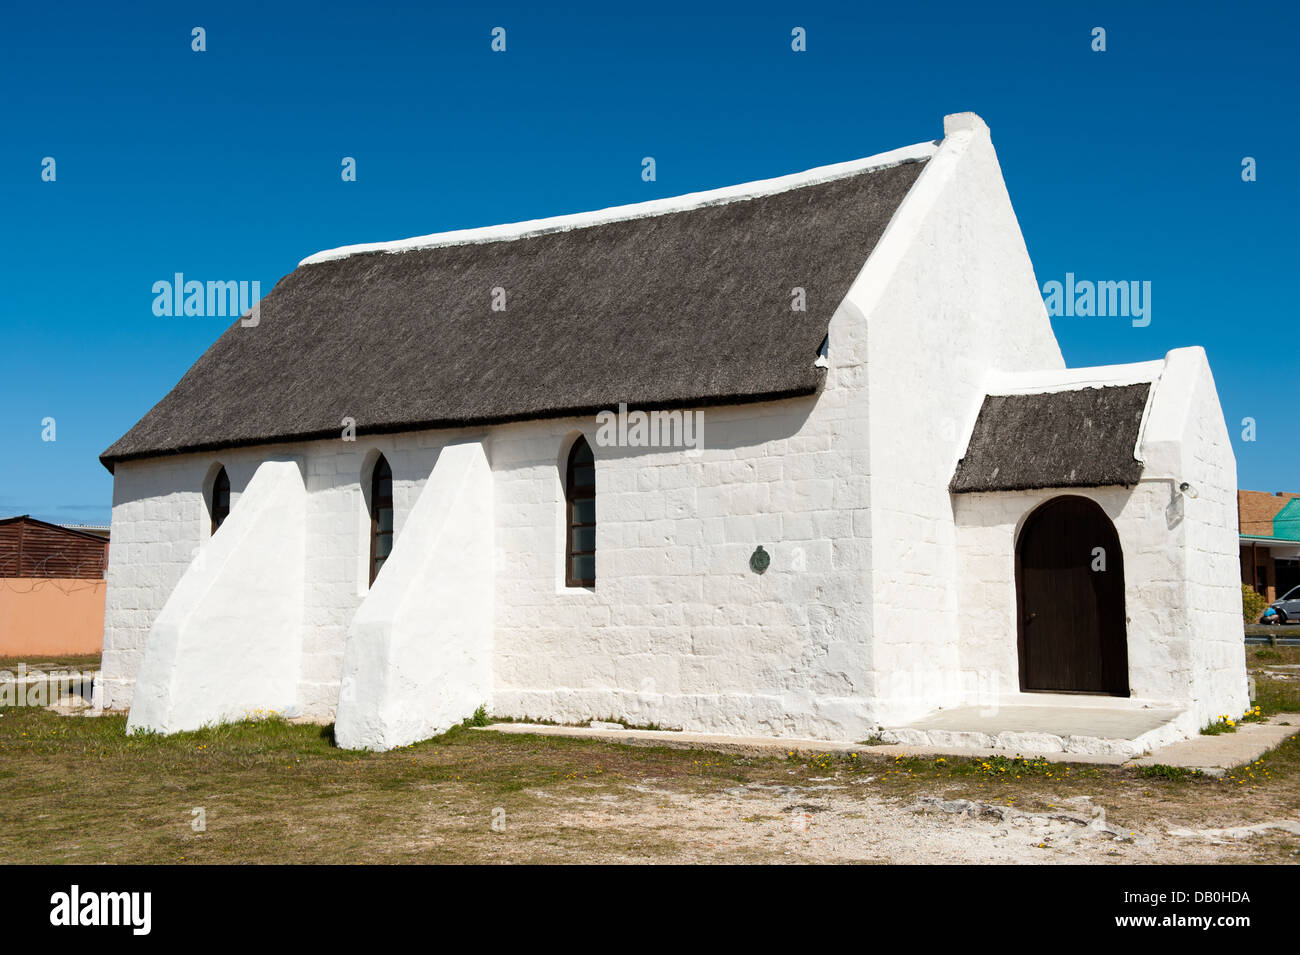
x=917 y=152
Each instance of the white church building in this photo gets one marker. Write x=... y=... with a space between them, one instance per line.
x=799 y=457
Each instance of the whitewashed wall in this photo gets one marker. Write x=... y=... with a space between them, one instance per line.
x=949 y=295
x=988 y=528
x=160 y=519
x=1185 y=642
x=1185 y=435
x=678 y=629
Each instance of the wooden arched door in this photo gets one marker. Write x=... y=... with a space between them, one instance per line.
x=1073 y=633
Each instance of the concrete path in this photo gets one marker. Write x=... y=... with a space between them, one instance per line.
x=1056 y=720
x=1250 y=742
x=770 y=745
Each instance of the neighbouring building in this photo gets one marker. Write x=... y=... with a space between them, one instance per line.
x=52 y=588
x=1270 y=541
x=856 y=483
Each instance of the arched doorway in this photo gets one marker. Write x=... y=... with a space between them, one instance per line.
x=1073 y=634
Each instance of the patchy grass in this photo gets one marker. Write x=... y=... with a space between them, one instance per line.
x=874 y=740
x=1273 y=697
x=1161 y=771
x=273 y=791
x=78 y=789
x=1258 y=654
x=1254 y=715
x=1277 y=681
x=532 y=721
x=1134 y=796
x=1224 y=724
x=1273 y=630
x=71 y=661
x=652 y=727
x=1276 y=676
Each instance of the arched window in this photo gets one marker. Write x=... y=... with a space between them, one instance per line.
x=381 y=516
x=219 y=505
x=580 y=507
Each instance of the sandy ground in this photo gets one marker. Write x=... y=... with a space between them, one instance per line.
x=836 y=822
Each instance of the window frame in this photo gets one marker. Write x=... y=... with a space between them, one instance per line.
x=573 y=495
x=376 y=476
x=218 y=512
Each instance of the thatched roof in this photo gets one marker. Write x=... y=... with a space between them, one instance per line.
x=1081 y=438
x=682 y=308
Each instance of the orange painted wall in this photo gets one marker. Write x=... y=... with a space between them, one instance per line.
x=41 y=616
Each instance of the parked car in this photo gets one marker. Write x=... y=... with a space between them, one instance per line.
x=1285 y=609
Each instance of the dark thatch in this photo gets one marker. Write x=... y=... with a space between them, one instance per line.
x=686 y=308
x=1081 y=438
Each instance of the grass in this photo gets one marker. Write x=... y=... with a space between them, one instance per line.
x=70 y=661
x=1256 y=655
x=874 y=740
x=1273 y=630
x=1273 y=694
x=1273 y=697
x=1161 y=771
x=78 y=789
x=1224 y=724
x=652 y=727
x=1002 y=769
x=272 y=791
x=533 y=721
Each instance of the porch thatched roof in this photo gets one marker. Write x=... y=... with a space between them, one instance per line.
x=1086 y=437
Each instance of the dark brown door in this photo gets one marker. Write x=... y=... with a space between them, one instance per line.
x=1070 y=591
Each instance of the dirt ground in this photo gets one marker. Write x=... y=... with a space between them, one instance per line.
x=834 y=821
x=79 y=789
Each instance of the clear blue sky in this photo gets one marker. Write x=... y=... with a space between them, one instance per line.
x=225 y=165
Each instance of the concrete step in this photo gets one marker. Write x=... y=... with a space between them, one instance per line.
x=1058 y=725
